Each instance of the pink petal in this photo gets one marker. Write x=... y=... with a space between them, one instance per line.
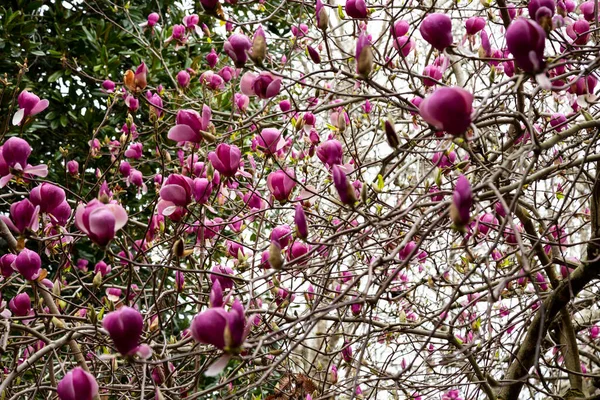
x=183 y=133
x=218 y=366
x=79 y=218
x=247 y=83
x=120 y=215
x=39 y=170
x=39 y=107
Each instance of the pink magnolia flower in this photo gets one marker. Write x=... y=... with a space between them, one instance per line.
x=356 y=9
x=28 y=263
x=281 y=183
x=108 y=86
x=526 y=41
x=178 y=34
x=436 y=29
x=24 y=216
x=226 y=330
x=29 y=105
x=220 y=276
x=269 y=141
x=212 y=58
x=474 y=24
x=125 y=327
x=236 y=47
x=151 y=21
x=226 y=159
x=100 y=221
x=264 y=85
x=301 y=221
x=13 y=160
x=363 y=55
x=342 y=185
x=77 y=385
x=20 y=305
x=448 y=109
x=190 y=125
x=73 y=168
x=175 y=196
x=330 y=152
x=321 y=16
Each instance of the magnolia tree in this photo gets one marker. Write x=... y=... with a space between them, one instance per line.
x=300 y=200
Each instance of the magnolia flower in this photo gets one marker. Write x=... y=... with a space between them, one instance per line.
x=330 y=152
x=321 y=15
x=270 y=141
x=190 y=125
x=281 y=183
x=24 y=216
x=100 y=221
x=342 y=185
x=356 y=9
x=125 y=327
x=175 y=196
x=448 y=109
x=226 y=330
x=226 y=159
x=212 y=58
x=474 y=24
x=236 y=47
x=77 y=385
x=526 y=41
x=436 y=29
x=136 y=81
x=13 y=160
x=20 y=305
x=264 y=85
x=301 y=222
x=29 y=105
x=28 y=263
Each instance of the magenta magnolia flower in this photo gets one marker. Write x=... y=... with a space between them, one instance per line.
x=108 y=86
x=330 y=152
x=125 y=327
x=264 y=85
x=73 y=168
x=587 y=9
x=20 y=305
x=175 y=195
x=177 y=34
x=212 y=58
x=151 y=21
x=190 y=125
x=462 y=200
x=224 y=282
x=364 y=55
x=29 y=105
x=356 y=9
x=301 y=222
x=342 y=185
x=100 y=221
x=579 y=32
x=486 y=222
x=526 y=41
x=24 y=216
x=539 y=9
x=6 y=264
x=282 y=235
x=134 y=150
x=347 y=351
x=434 y=72
x=436 y=29
x=236 y=48
x=226 y=159
x=474 y=25
x=270 y=141
x=281 y=183
x=404 y=45
x=559 y=122
x=28 y=263
x=448 y=109
x=77 y=385
x=226 y=330
x=13 y=160
x=400 y=28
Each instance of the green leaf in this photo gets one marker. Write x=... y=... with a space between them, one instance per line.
x=380 y=183
x=52 y=78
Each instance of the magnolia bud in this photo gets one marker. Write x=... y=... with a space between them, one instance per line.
x=275 y=257
x=341 y=121
x=390 y=133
